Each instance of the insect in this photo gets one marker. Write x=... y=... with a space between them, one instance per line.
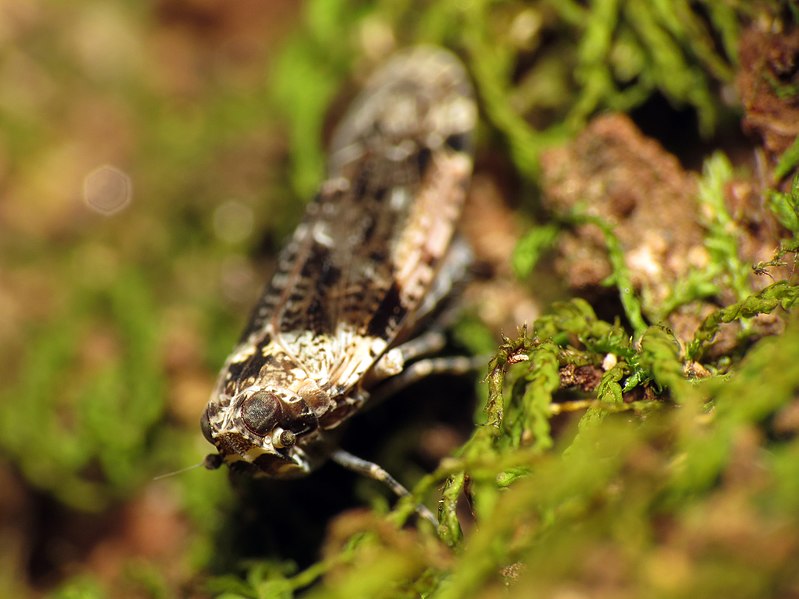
x=372 y=257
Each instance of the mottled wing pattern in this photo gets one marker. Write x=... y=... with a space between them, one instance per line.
x=372 y=242
x=362 y=266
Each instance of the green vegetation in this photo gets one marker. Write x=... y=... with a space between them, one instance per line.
x=663 y=467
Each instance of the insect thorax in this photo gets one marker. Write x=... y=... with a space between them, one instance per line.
x=268 y=413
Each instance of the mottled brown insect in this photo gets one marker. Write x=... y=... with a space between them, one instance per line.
x=373 y=255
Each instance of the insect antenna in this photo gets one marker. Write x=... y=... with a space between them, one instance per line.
x=180 y=471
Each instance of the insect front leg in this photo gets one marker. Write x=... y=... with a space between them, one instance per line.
x=375 y=472
x=393 y=361
x=417 y=371
x=394 y=367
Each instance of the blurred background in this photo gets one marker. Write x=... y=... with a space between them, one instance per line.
x=142 y=167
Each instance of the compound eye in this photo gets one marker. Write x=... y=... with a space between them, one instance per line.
x=261 y=412
x=205 y=426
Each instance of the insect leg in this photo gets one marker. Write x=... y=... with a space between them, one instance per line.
x=393 y=362
x=452 y=275
x=375 y=472
x=422 y=369
x=427 y=343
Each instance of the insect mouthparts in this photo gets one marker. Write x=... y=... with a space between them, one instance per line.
x=213 y=461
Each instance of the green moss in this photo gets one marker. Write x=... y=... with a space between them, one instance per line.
x=70 y=424
x=81 y=588
x=786 y=206
x=779 y=295
x=530 y=248
x=722 y=238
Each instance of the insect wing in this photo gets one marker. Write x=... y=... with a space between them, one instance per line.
x=365 y=261
x=369 y=248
